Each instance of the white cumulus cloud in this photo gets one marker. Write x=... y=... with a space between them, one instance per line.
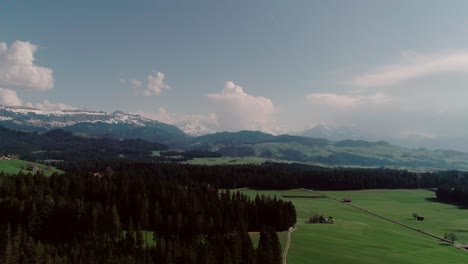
x=48 y=106
x=162 y=115
x=155 y=84
x=9 y=98
x=17 y=68
x=237 y=110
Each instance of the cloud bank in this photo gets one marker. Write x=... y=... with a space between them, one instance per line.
x=346 y=101
x=416 y=66
x=17 y=68
x=9 y=97
x=48 y=106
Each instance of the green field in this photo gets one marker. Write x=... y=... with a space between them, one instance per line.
x=15 y=166
x=228 y=161
x=359 y=237
x=253 y=160
x=401 y=204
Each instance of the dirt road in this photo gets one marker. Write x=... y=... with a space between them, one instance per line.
x=288 y=242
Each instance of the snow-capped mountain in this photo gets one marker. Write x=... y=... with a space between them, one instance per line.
x=117 y=124
x=63 y=118
x=195 y=128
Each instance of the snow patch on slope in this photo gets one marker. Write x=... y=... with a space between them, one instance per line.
x=62 y=118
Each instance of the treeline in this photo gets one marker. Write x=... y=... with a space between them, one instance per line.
x=282 y=176
x=83 y=217
x=454 y=193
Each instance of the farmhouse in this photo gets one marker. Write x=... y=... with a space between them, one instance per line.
x=33 y=168
x=5 y=157
x=346 y=200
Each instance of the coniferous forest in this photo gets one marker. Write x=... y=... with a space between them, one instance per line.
x=83 y=217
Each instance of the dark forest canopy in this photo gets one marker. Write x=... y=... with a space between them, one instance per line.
x=280 y=176
x=82 y=217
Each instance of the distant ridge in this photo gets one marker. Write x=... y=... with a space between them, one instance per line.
x=326 y=152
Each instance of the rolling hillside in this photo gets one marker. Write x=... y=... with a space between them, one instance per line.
x=325 y=152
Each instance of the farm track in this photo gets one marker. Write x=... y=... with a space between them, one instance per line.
x=391 y=220
x=288 y=242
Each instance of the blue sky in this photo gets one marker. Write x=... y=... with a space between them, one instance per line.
x=391 y=68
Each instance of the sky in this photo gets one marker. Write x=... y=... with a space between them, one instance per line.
x=395 y=69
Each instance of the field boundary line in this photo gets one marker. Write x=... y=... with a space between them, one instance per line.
x=386 y=218
x=288 y=242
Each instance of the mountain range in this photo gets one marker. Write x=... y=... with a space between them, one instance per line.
x=94 y=123
x=320 y=145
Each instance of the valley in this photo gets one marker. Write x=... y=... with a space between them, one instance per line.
x=233 y=132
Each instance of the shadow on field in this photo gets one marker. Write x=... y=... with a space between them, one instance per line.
x=445 y=244
x=458 y=230
x=435 y=200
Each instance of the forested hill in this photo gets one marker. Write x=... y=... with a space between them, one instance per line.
x=62 y=145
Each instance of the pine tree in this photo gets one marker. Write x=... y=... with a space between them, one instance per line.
x=265 y=247
x=276 y=246
x=10 y=257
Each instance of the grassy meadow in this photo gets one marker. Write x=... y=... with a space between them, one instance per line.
x=358 y=237
x=399 y=205
x=228 y=161
x=15 y=166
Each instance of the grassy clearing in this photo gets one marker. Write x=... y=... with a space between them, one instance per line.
x=16 y=166
x=358 y=237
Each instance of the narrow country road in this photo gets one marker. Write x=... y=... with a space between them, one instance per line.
x=288 y=242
